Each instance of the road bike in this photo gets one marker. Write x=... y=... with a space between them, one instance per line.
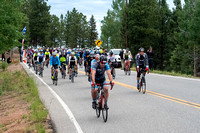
x=36 y=67
x=127 y=68
x=41 y=69
x=55 y=77
x=63 y=70
x=101 y=102
x=113 y=72
x=47 y=63
x=142 y=82
x=73 y=74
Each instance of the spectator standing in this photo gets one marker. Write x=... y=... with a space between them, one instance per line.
x=122 y=60
x=3 y=57
x=150 y=54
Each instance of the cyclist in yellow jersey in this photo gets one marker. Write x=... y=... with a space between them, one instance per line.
x=63 y=62
x=47 y=56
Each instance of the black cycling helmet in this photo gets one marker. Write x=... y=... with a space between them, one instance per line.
x=127 y=49
x=103 y=59
x=141 y=49
x=111 y=52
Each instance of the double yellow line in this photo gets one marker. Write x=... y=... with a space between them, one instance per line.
x=195 y=105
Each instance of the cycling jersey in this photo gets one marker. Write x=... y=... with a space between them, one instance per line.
x=100 y=72
x=127 y=55
x=72 y=60
x=111 y=58
x=141 y=60
x=55 y=61
x=41 y=58
x=47 y=53
x=62 y=58
x=35 y=56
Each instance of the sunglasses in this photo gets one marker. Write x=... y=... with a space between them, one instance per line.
x=103 y=62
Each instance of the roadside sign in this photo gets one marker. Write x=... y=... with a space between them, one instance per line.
x=98 y=42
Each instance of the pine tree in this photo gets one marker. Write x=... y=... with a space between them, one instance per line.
x=92 y=32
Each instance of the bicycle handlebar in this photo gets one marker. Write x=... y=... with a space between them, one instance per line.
x=106 y=84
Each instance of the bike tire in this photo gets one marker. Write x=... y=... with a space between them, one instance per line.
x=98 y=110
x=140 y=88
x=72 y=78
x=104 y=110
x=144 y=86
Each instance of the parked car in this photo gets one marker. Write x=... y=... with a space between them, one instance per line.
x=118 y=59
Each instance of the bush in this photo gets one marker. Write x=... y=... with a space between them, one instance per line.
x=4 y=66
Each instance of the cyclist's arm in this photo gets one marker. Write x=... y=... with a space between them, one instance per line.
x=69 y=61
x=93 y=74
x=58 y=61
x=76 y=61
x=51 y=61
x=136 y=61
x=108 y=72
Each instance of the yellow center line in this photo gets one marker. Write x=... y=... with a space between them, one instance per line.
x=181 y=101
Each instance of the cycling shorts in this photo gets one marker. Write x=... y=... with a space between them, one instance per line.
x=104 y=82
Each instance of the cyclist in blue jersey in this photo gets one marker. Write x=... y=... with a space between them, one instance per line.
x=54 y=63
x=98 y=76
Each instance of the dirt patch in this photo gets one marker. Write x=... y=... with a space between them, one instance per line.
x=16 y=113
x=15 y=67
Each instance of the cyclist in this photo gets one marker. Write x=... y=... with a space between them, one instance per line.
x=35 y=57
x=72 y=63
x=98 y=76
x=54 y=63
x=77 y=57
x=88 y=65
x=94 y=61
x=47 y=55
x=86 y=56
x=29 y=56
x=141 y=60
x=81 y=57
x=127 y=55
x=111 y=60
x=40 y=60
x=63 y=62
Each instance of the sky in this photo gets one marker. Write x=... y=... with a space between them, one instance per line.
x=98 y=8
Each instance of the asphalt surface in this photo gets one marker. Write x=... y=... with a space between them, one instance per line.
x=171 y=105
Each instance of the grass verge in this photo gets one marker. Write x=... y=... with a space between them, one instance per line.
x=169 y=73
x=21 y=84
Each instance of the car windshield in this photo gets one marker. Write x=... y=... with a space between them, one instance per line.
x=116 y=52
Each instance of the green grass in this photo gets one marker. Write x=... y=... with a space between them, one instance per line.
x=25 y=86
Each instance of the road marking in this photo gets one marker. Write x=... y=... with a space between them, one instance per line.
x=195 y=105
x=170 y=76
x=66 y=108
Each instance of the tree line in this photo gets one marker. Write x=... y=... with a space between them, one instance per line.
x=43 y=29
x=173 y=34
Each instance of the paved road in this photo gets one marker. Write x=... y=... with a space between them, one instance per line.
x=171 y=105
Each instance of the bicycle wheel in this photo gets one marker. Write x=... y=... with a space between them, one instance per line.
x=72 y=77
x=104 y=108
x=144 y=85
x=98 y=110
x=140 y=88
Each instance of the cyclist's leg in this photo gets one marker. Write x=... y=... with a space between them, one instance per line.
x=106 y=92
x=138 y=78
x=70 y=71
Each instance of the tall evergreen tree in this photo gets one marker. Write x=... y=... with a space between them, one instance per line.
x=92 y=32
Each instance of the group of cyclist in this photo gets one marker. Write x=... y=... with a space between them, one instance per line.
x=97 y=62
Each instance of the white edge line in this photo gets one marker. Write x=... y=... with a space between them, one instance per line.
x=170 y=76
x=66 y=108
